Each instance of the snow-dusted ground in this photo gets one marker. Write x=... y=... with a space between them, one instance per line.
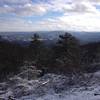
x=52 y=87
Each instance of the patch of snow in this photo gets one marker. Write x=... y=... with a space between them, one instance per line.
x=51 y=87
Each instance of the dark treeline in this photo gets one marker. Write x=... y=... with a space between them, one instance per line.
x=91 y=56
x=11 y=56
x=67 y=56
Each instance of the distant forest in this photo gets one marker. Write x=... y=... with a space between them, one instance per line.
x=66 y=56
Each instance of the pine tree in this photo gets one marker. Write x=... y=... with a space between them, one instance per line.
x=40 y=53
x=67 y=53
x=35 y=46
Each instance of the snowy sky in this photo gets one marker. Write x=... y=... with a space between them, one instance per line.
x=48 y=15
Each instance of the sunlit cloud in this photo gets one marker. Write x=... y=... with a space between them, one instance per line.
x=77 y=15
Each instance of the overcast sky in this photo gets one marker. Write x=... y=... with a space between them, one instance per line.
x=48 y=15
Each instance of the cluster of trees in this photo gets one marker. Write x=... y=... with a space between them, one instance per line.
x=62 y=57
x=66 y=56
x=91 y=56
x=11 y=57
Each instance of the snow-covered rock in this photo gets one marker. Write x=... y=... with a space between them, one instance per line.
x=97 y=74
x=51 y=87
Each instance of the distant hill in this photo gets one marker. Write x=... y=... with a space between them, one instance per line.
x=87 y=37
x=84 y=37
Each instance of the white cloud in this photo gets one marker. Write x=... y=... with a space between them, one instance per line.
x=17 y=24
x=95 y=1
x=6 y=9
x=14 y=2
x=25 y=10
x=13 y=24
x=75 y=6
x=22 y=7
x=79 y=15
x=28 y=8
x=86 y=22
